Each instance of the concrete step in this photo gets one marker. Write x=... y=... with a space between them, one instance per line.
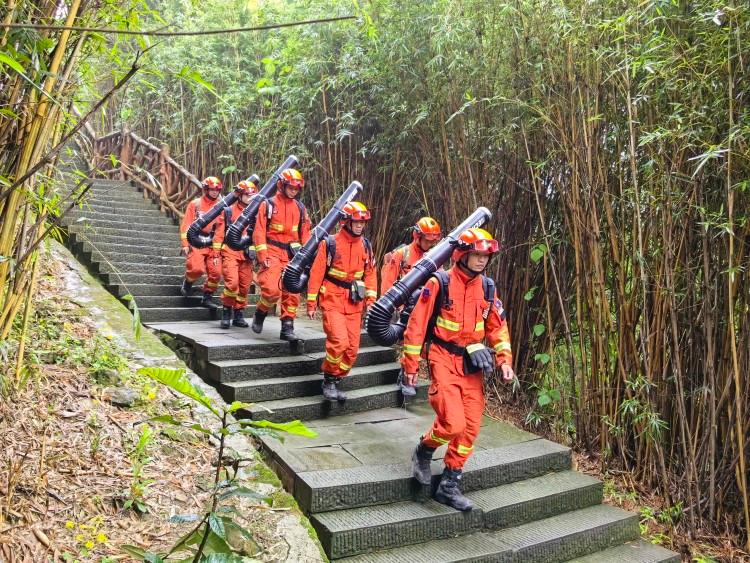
x=136 y=267
x=227 y=371
x=337 y=489
x=558 y=538
x=106 y=204
x=311 y=408
x=637 y=551
x=127 y=227
x=166 y=314
x=83 y=232
x=172 y=301
x=306 y=385
x=111 y=278
x=361 y=530
x=134 y=214
x=265 y=349
x=107 y=183
x=121 y=197
x=156 y=260
x=124 y=250
x=137 y=219
x=145 y=289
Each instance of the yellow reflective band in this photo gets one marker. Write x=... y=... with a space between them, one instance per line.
x=212 y=284
x=252 y=248
x=292 y=309
x=261 y=247
x=183 y=236
x=358 y=275
x=502 y=346
x=278 y=227
x=438 y=439
x=229 y=293
x=448 y=325
x=295 y=228
x=474 y=347
x=240 y=299
x=337 y=273
x=312 y=296
x=322 y=289
x=413 y=349
x=266 y=303
x=371 y=293
x=464 y=450
x=479 y=326
x=332 y=360
x=216 y=246
x=344 y=366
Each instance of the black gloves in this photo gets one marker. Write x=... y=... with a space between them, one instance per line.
x=480 y=358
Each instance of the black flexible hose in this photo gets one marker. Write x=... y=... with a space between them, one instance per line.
x=194 y=236
x=406 y=290
x=235 y=239
x=298 y=270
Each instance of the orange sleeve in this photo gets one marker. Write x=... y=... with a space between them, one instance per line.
x=371 y=281
x=416 y=328
x=259 y=234
x=317 y=273
x=498 y=335
x=306 y=227
x=187 y=220
x=390 y=271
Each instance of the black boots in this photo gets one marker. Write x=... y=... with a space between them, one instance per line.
x=287 y=330
x=449 y=491
x=186 y=288
x=420 y=464
x=258 y=319
x=226 y=317
x=331 y=391
x=239 y=319
x=207 y=302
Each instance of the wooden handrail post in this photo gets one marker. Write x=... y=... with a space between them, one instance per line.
x=125 y=152
x=165 y=174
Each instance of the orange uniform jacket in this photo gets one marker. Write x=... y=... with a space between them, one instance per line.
x=462 y=324
x=195 y=208
x=283 y=227
x=350 y=263
x=396 y=267
x=221 y=232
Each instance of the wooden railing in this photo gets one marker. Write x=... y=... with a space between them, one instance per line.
x=125 y=155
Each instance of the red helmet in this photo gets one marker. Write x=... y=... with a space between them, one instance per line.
x=355 y=211
x=292 y=177
x=247 y=187
x=211 y=182
x=428 y=228
x=475 y=240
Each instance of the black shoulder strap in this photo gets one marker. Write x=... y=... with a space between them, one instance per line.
x=441 y=300
x=330 y=249
x=301 y=207
x=488 y=284
x=368 y=250
x=227 y=219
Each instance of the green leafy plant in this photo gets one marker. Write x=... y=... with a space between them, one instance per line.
x=215 y=535
x=135 y=496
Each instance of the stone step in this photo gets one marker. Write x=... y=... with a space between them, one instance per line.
x=146 y=230
x=156 y=260
x=174 y=301
x=154 y=218
x=87 y=232
x=109 y=183
x=164 y=314
x=172 y=251
x=337 y=489
x=123 y=197
x=558 y=538
x=111 y=278
x=266 y=349
x=107 y=204
x=361 y=530
x=306 y=385
x=226 y=371
x=310 y=408
x=145 y=289
x=637 y=551
x=135 y=214
x=136 y=267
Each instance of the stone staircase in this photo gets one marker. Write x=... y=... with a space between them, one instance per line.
x=353 y=480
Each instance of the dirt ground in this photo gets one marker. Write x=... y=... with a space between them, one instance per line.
x=81 y=477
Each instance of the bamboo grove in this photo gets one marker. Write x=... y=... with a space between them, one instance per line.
x=610 y=140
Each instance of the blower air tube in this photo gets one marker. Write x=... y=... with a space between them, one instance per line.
x=298 y=270
x=406 y=290
x=194 y=233
x=234 y=238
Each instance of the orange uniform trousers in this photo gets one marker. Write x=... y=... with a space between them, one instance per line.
x=269 y=280
x=458 y=402
x=343 y=331
x=238 y=276
x=202 y=261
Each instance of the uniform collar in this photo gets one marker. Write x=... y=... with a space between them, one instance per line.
x=464 y=277
x=346 y=236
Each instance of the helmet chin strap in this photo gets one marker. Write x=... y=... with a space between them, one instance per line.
x=348 y=229
x=464 y=265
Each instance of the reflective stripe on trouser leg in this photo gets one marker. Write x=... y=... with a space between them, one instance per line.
x=354 y=332
x=195 y=264
x=268 y=281
x=462 y=446
x=213 y=272
x=337 y=337
x=246 y=280
x=229 y=269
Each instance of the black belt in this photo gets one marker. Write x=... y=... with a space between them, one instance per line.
x=448 y=346
x=278 y=244
x=340 y=283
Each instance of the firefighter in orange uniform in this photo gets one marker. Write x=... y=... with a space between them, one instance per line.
x=282 y=227
x=397 y=263
x=456 y=313
x=237 y=265
x=207 y=260
x=343 y=280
